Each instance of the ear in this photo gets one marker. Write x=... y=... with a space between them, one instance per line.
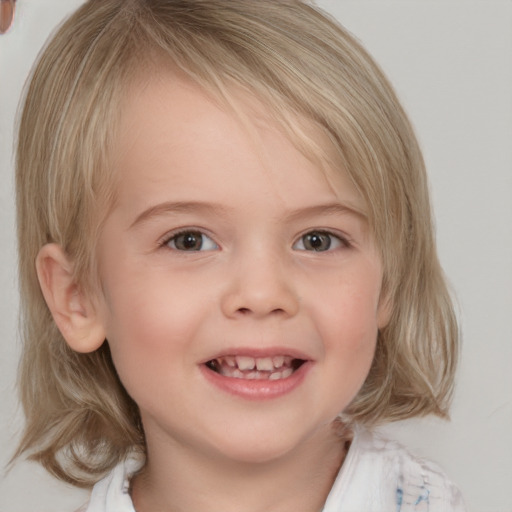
x=72 y=311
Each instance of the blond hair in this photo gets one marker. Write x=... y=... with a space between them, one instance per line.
x=79 y=419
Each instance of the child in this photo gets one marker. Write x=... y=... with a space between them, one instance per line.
x=227 y=264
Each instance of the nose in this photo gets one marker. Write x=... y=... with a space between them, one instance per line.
x=260 y=286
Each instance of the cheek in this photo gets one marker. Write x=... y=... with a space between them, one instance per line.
x=149 y=324
x=350 y=310
x=148 y=301
x=348 y=324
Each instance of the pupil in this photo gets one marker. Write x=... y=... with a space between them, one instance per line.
x=189 y=241
x=318 y=241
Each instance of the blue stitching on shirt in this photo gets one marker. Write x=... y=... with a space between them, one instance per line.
x=424 y=497
x=399 y=498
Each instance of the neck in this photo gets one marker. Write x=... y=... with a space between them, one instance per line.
x=181 y=480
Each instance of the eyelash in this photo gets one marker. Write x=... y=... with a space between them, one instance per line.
x=316 y=236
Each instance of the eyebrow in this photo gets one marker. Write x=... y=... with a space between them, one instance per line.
x=171 y=207
x=328 y=209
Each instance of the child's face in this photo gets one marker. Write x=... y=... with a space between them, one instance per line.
x=226 y=249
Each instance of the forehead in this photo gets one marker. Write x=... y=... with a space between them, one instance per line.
x=168 y=116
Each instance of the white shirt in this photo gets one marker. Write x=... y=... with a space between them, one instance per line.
x=377 y=475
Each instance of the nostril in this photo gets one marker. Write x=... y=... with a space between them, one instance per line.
x=246 y=311
x=258 y=298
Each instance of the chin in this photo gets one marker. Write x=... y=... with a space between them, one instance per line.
x=263 y=447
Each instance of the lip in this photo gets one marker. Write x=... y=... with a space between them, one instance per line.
x=257 y=389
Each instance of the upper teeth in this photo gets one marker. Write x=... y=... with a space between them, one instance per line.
x=246 y=367
x=260 y=363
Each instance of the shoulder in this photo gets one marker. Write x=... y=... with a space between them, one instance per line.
x=420 y=484
x=387 y=473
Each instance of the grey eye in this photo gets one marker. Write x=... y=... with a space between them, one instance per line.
x=191 y=241
x=317 y=241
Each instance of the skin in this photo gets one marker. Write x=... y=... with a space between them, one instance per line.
x=255 y=287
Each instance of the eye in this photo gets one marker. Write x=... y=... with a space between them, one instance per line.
x=191 y=241
x=319 y=241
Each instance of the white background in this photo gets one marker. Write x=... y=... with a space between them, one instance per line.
x=451 y=62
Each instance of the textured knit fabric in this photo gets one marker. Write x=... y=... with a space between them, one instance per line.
x=378 y=475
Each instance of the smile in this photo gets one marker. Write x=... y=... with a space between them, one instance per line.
x=255 y=368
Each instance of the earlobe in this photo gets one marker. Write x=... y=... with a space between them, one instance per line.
x=72 y=310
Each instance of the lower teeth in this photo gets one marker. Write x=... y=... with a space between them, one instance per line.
x=256 y=375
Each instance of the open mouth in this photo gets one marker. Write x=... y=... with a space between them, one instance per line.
x=255 y=368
